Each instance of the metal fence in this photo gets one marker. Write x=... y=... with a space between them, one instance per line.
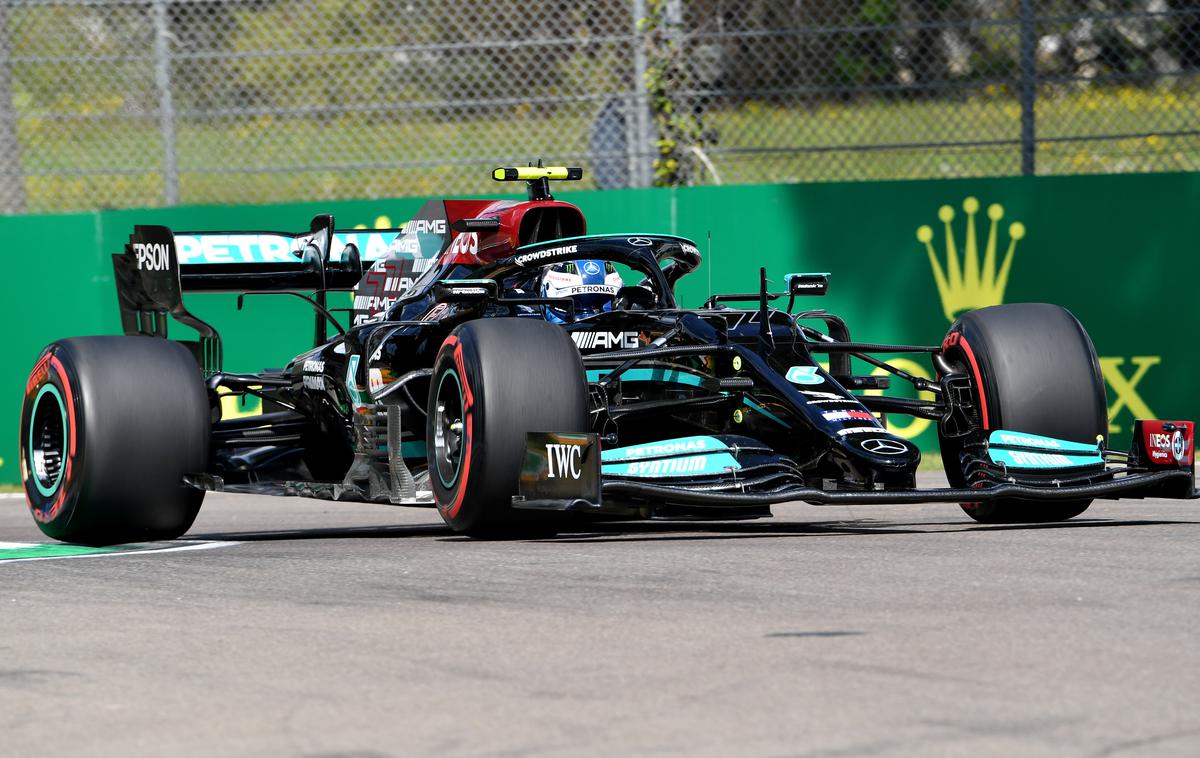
x=151 y=102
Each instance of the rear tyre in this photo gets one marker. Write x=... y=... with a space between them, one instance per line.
x=1035 y=370
x=493 y=381
x=109 y=427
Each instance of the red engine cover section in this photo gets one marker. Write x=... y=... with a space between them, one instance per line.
x=1166 y=443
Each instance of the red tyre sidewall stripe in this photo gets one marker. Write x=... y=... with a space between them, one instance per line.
x=468 y=425
x=70 y=398
x=44 y=514
x=38 y=373
x=955 y=339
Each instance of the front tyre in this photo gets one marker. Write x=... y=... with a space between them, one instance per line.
x=1034 y=370
x=493 y=381
x=109 y=427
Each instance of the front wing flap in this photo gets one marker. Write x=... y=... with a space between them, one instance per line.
x=567 y=472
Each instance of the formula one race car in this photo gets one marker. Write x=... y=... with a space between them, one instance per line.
x=516 y=373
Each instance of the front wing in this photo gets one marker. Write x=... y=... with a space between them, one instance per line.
x=566 y=472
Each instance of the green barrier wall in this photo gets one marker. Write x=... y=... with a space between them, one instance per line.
x=1119 y=251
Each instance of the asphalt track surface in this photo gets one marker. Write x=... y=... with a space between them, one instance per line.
x=350 y=630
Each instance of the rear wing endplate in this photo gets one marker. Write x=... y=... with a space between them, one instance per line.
x=151 y=279
x=149 y=289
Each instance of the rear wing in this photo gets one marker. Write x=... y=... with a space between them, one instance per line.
x=159 y=265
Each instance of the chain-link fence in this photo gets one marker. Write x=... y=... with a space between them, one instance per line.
x=151 y=102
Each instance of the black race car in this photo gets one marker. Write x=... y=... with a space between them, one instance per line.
x=516 y=373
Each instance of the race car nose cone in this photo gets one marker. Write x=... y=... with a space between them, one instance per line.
x=889 y=459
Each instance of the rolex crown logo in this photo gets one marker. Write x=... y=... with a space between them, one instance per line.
x=968 y=284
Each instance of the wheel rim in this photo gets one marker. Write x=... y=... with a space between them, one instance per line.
x=448 y=428
x=47 y=440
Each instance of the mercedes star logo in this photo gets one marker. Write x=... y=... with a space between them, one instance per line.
x=640 y=241
x=881 y=446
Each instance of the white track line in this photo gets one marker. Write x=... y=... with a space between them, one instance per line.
x=171 y=549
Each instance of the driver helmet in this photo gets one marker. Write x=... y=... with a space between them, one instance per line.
x=591 y=284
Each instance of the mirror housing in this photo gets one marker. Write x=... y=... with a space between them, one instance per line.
x=465 y=290
x=807 y=284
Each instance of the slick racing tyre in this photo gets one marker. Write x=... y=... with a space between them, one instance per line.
x=1034 y=370
x=109 y=427
x=493 y=381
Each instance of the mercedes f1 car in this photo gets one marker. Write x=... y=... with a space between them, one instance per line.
x=514 y=372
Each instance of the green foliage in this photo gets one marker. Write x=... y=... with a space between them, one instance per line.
x=319 y=80
x=43 y=41
x=845 y=124
x=679 y=131
x=863 y=57
x=418 y=96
